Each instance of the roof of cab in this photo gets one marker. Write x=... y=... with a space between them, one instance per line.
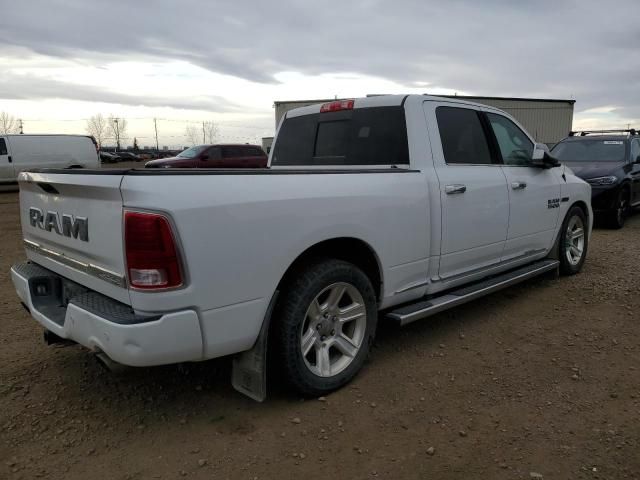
x=381 y=101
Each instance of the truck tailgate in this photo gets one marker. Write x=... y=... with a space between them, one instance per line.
x=72 y=225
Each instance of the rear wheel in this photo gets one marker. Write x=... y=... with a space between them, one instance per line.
x=573 y=242
x=618 y=215
x=325 y=326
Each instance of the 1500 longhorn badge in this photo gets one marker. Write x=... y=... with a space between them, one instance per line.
x=70 y=226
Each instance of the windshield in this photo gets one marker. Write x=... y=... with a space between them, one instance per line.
x=590 y=151
x=192 y=152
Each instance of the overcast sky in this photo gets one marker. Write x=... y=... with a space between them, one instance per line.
x=228 y=61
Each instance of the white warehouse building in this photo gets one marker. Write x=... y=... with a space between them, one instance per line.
x=547 y=120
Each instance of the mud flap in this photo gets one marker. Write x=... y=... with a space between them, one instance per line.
x=249 y=371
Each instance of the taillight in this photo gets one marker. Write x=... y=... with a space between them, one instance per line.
x=152 y=256
x=337 y=106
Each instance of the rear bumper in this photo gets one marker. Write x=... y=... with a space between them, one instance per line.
x=105 y=325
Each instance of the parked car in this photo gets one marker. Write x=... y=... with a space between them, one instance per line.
x=404 y=205
x=128 y=156
x=23 y=152
x=610 y=161
x=215 y=156
x=108 y=157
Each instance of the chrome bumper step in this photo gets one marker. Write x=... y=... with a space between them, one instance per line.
x=427 y=307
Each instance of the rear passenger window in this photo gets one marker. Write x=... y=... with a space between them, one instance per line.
x=214 y=153
x=255 y=152
x=232 y=152
x=462 y=136
x=362 y=136
x=3 y=147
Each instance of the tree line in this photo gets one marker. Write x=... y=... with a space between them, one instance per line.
x=114 y=129
x=8 y=124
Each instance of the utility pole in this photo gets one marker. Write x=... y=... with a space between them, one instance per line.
x=117 y=128
x=155 y=126
x=20 y=123
x=204 y=137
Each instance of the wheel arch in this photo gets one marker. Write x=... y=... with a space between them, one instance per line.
x=626 y=186
x=582 y=205
x=553 y=252
x=250 y=367
x=349 y=249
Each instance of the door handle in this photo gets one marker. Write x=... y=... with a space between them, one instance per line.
x=518 y=185
x=456 y=188
x=9 y=158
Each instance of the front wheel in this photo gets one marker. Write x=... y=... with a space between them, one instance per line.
x=620 y=211
x=325 y=326
x=573 y=242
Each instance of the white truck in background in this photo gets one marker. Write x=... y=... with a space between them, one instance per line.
x=394 y=206
x=25 y=152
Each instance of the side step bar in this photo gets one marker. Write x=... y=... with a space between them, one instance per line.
x=426 y=308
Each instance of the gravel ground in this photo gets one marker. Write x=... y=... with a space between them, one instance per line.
x=539 y=381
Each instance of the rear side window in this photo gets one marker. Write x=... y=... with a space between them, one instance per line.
x=232 y=152
x=462 y=136
x=363 y=136
x=255 y=152
x=3 y=147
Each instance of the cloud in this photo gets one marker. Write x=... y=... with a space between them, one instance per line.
x=30 y=87
x=560 y=48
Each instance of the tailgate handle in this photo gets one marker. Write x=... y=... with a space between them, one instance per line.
x=47 y=187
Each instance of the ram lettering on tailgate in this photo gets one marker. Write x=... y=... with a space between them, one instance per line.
x=70 y=226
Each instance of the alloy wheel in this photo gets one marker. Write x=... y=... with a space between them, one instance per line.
x=333 y=329
x=574 y=240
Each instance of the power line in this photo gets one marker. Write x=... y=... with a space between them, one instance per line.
x=223 y=123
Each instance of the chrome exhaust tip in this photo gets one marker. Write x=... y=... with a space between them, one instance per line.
x=109 y=364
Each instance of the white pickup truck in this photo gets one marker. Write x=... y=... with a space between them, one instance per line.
x=394 y=206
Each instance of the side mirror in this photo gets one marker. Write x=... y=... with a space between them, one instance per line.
x=541 y=158
x=637 y=159
x=204 y=156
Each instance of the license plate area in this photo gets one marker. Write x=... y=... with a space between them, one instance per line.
x=50 y=295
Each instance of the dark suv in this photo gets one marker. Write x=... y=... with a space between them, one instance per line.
x=610 y=161
x=215 y=156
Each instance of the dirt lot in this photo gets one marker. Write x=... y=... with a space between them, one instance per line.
x=543 y=378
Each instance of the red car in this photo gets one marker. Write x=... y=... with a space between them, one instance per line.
x=215 y=156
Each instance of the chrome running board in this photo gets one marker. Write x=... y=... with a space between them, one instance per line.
x=425 y=308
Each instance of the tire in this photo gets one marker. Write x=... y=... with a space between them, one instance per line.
x=618 y=215
x=311 y=309
x=574 y=241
